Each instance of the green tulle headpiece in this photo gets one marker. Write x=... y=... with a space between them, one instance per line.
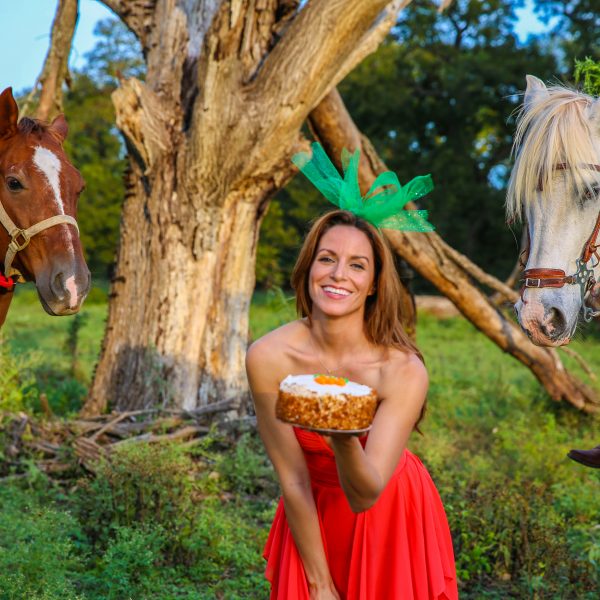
x=383 y=205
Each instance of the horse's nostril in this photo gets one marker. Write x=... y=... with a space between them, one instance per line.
x=555 y=324
x=57 y=285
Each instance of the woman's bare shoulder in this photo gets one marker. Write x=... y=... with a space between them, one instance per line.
x=274 y=346
x=403 y=369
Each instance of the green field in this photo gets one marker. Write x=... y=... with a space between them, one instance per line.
x=524 y=518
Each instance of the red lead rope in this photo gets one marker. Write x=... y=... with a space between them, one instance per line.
x=6 y=283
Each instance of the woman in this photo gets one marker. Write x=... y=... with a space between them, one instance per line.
x=360 y=518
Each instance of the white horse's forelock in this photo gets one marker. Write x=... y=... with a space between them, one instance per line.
x=553 y=129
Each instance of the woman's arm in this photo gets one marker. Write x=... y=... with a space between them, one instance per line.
x=289 y=463
x=364 y=473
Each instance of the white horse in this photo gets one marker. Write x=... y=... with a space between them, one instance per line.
x=555 y=185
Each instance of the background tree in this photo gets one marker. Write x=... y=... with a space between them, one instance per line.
x=576 y=28
x=210 y=135
x=455 y=79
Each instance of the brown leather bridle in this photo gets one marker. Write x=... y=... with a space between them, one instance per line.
x=557 y=278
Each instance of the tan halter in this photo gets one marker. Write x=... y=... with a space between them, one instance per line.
x=19 y=238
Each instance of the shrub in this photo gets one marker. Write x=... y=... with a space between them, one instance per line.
x=38 y=553
x=247 y=469
x=130 y=566
x=228 y=545
x=141 y=485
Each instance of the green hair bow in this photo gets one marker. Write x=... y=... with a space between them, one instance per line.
x=383 y=205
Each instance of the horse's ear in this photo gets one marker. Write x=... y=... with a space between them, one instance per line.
x=60 y=127
x=9 y=114
x=536 y=89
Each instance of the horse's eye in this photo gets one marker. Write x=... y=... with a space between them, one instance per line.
x=13 y=184
x=591 y=193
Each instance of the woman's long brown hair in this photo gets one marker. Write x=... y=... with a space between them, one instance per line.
x=382 y=325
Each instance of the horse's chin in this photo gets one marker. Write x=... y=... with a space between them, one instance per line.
x=541 y=340
x=58 y=309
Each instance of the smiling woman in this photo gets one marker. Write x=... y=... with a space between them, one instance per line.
x=359 y=518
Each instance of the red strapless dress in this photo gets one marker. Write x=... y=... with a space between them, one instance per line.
x=399 y=549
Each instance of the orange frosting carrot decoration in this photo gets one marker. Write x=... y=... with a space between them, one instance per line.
x=330 y=380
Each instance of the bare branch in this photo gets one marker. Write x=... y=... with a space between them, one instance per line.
x=444 y=4
x=371 y=39
x=570 y=352
x=55 y=71
x=301 y=67
x=468 y=266
x=136 y=14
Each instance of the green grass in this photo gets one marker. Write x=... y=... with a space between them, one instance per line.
x=29 y=329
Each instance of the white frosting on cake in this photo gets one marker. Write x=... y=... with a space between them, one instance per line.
x=296 y=384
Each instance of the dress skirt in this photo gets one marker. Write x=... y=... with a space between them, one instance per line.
x=398 y=549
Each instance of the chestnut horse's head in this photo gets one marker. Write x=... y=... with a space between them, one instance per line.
x=37 y=183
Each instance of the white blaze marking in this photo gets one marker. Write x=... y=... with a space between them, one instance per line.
x=48 y=163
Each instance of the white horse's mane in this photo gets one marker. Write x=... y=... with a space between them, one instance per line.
x=554 y=128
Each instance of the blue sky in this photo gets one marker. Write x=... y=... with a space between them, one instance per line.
x=26 y=33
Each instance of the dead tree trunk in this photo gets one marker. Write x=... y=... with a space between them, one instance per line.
x=452 y=273
x=55 y=71
x=210 y=135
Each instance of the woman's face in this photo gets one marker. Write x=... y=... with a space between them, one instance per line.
x=342 y=274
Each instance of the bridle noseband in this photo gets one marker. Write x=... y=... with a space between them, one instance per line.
x=20 y=238
x=557 y=278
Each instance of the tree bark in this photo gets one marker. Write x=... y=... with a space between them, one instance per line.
x=55 y=71
x=452 y=273
x=210 y=137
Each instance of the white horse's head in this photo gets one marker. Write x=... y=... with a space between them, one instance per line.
x=555 y=184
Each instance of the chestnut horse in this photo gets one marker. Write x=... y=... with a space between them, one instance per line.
x=39 y=237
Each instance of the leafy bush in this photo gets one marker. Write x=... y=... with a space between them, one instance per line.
x=228 y=544
x=38 y=550
x=130 y=566
x=141 y=485
x=65 y=394
x=524 y=518
x=161 y=522
x=247 y=469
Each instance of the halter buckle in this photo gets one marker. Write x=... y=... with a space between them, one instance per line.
x=529 y=282
x=15 y=244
